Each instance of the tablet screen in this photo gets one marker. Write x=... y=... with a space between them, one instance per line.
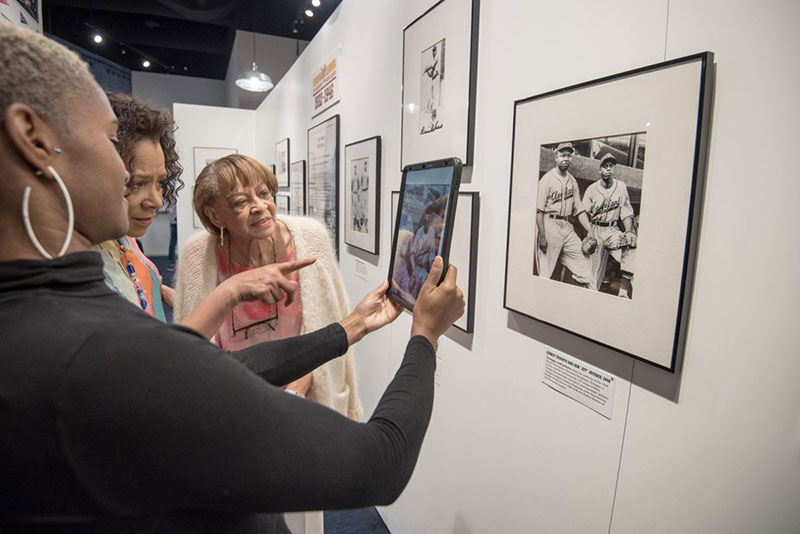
x=420 y=234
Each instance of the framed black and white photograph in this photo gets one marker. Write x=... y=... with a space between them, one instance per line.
x=362 y=180
x=604 y=210
x=297 y=187
x=323 y=175
x=463 y=250
x=203 y=155
x=440 y=52
x=282 y=162
x=283 y=203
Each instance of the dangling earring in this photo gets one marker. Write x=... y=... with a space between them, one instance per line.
x=221 y=236
x=26 y=219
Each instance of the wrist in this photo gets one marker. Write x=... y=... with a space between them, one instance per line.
x=432 y=339
x=355 y=328
x=230 y=294
x=295 y=393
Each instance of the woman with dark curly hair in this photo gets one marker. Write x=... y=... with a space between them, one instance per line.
x=147 y=147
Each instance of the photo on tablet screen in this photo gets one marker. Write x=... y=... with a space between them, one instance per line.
x=422 y=228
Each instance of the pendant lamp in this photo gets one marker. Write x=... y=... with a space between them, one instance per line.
x=254 y=80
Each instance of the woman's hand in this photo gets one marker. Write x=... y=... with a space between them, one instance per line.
x=268 y=283
x=374 y=311
x=168 y=296
x=437 y=306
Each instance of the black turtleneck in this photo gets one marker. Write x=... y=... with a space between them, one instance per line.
x=110 y=419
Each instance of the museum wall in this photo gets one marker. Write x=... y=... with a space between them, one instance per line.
x=713 y=448
x=164 y=90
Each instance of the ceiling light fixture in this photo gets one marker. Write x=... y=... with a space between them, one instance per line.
x=254 y=80
x=146 y=64
x=315 y=3
x=97 y=38
x=309 y=13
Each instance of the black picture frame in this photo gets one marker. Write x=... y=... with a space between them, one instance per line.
x=463 y=250
x=652 y=328
x=415 y=146
x=367 y=152
x=322 y=174
x=282 y=158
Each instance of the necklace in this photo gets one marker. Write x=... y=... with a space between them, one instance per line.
x=123 y=248
x=269 y=321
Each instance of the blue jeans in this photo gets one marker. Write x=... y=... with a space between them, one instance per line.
x=173 y=240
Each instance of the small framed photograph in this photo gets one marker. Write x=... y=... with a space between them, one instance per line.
x=203 y=155
x=440 y=53
x=281 y=167
x=463 y=250
x=362 y=204
x=297 y=187
x=602 y=242
x=323 y=176
x=282 y=203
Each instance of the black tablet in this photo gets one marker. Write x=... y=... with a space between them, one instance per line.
x=424 y=225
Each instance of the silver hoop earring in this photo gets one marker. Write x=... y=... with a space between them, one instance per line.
x=221 y=236
x=26 y=218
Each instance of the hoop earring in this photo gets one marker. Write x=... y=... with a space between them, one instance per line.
x=221 y=236
x=26 y=219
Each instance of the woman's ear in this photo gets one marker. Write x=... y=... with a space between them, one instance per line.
x=211 y=213
x=27 y=132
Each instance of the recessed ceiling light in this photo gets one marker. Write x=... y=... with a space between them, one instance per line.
x=97 y=38
x=315 y=3
x=145 y=64
x=309 y=13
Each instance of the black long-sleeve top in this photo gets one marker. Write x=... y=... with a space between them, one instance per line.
x=111 y=420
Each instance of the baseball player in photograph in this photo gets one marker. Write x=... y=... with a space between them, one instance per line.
x=558 y=198
x=607 y=203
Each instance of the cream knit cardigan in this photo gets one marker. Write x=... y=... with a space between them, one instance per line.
x=323 y=297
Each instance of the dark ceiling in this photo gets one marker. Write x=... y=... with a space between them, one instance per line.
x=188 y=37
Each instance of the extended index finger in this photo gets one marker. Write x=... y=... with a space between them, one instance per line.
x=291 y=266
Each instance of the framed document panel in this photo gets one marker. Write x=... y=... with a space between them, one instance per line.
x=602 y=239
x=323 y=175
x=362 y=180
x=297 y=187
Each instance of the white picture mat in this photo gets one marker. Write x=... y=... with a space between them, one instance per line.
x=460 y=247
x=450 y=20
x=202 y=157
x=665 y=104
x=282 y=162
x=297 y=187
x=366 y=149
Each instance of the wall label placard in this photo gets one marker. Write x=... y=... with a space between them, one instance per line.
x=584 y=383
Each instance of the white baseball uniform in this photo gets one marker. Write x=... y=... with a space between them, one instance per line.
x=606 y=207
x=557 y=199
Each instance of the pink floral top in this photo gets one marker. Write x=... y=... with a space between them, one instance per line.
x=256 y=322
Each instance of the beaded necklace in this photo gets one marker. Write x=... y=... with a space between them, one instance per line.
x=132 y=274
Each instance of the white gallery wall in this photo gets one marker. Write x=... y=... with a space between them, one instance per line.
x=715 y=449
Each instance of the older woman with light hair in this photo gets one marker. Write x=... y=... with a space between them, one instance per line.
x=234 y=197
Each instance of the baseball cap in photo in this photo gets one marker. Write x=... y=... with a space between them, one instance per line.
x=608 y=157
x=565 y=146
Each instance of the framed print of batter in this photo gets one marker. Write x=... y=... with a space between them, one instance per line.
x=323 y=176
x=203 y=155
x=282 y=162
x=463 y=250
x=440 y=52
x=606 y=187
x=297 y=187
x=282 y=203
x=362 y=178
